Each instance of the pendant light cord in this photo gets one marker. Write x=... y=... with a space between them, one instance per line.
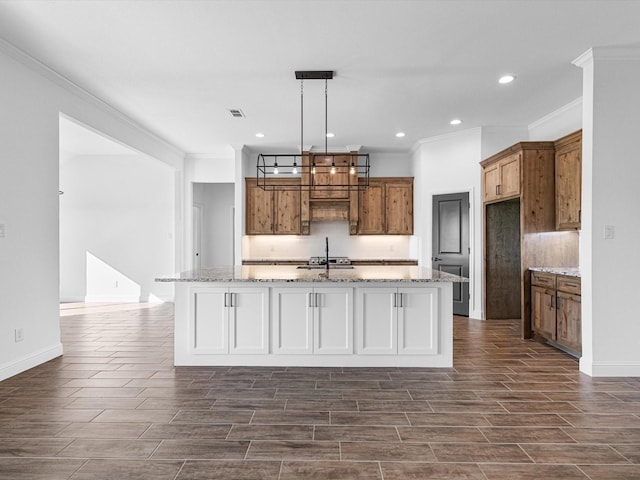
x=325 y=117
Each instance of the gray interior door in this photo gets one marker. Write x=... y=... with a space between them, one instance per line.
x=451 y=243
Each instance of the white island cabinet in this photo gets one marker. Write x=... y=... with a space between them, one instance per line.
x=283 y=316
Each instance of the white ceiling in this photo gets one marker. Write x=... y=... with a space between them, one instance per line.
x=176 y=66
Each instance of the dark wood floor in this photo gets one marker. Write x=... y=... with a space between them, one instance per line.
x=114 y=407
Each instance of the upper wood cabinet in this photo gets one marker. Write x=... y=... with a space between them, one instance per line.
x=271 y=212
x=501 y=178
x=386 y=207
x=328 y=184
x=399 y=207
x=569 y=181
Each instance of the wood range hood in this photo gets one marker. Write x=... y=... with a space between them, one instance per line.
x=331 y=201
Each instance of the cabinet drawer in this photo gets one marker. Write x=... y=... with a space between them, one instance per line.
x=543 y=279
x=569 y=284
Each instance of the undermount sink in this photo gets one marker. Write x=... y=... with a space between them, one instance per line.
x=324 y=267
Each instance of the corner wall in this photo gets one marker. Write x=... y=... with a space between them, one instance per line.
x=32 y=98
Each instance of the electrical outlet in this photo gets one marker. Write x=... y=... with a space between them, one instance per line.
x=1 y=230
x=609 y=232
x=19 y=334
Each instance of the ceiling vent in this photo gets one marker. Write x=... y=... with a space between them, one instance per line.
x=236 y=112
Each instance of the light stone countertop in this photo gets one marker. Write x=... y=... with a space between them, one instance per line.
x=567 y=271
x=289 y=273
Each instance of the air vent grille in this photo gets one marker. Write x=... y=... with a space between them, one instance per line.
x=236 y=112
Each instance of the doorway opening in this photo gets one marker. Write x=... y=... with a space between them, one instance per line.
x=213 y=224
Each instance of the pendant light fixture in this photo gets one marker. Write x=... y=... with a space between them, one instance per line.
x=278 y=171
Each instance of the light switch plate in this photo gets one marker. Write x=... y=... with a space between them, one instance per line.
x=1 y=230
x=609 y=232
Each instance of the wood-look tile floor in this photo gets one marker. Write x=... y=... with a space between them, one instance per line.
x=114 y=407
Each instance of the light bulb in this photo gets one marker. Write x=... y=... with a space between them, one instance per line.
x=352 y=170
x=313 y=169
x=295 y=169
x=275 y=169
x=333 y=169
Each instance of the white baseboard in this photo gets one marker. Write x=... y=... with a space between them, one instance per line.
x=610 y=369
x=112 y=299
x=72 y=299
x=19 y=365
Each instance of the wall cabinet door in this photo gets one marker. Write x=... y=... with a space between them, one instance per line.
x=399 y=208
x=377 y=321
x=287 y=212
x=371 y=214
x=248 y=320
x=569 y=324
x=292 y=320
x=569 y=182
x=210 y=326
x=259 y=209
x=543 y=305
x=417 y=321
x=502 y=178
x=333 y=321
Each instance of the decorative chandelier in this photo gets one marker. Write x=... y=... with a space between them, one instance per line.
x=315 y=170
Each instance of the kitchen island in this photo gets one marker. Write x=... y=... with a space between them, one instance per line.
x=365 y=316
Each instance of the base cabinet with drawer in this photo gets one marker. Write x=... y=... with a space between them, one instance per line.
x=556 y=309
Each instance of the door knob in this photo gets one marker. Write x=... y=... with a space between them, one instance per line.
x=436 y=259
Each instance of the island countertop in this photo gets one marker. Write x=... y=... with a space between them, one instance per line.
x=290 y=273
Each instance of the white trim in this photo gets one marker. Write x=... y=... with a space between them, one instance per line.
x=555 y=113
x=610 y=369
x=72 y=299
x=112 y=299
x=20 y=364
x=75 y=89
x=439 y=138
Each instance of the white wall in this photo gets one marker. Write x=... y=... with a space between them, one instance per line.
x=218 y=167
x=32 y=98
x=341 y=244
x=563 y=121
x=610 y=174
x=120 y=210
x=449 y=164
x=217 y=201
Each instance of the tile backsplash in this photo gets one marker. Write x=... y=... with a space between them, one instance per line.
x=341 y=244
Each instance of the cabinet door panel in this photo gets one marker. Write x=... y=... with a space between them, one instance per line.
x=292 y=320
x=333 y=320
x=210 y=319
x=568 y=190
x=377 y=321
x=399 y=209
x=417 y=321
x=569 y=321
x=491 y=180
x=287 y=211
x=249 y=320
x=259 y=209
x=510 y=176
x=544 y=312
x=371 y=210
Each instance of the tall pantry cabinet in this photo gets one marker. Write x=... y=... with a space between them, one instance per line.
x=518 y=191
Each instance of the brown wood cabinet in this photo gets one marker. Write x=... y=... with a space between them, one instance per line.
x=386 y=207
x=328 y=184
x=271 y=212
x=517 y=216
x=569 y=181
x=501 y=178
x=556 y=310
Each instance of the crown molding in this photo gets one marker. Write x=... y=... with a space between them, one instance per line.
x=555 y=113
x=60 y=80
x=446 y=136
x=607 y=53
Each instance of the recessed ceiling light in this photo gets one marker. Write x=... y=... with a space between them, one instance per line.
x=455 y=121
x=506 y=79
x=400 y=134
x=330 y=135
x=260 y=135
